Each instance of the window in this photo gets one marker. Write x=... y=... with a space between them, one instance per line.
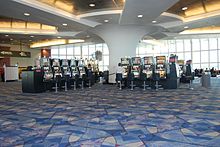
x=187 y=45
x=85 y=51
x=213 y=56
x=204 y=56
x=196 y=57
x=77 y=51
x=204 y=44
x=54 y=50
x=91 y=50
x=70 y=50
x=179 y=46
x=213 y=44
x=180 y=56
x=172 y=46
x=204 y=52
x=105 y=49
x=195 y=45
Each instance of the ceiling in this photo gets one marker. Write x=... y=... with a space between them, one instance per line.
x=84 y=6
x=80 y=17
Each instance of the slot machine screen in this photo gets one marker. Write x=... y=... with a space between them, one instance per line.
x=56 y=68
x=136 y=60
x=46 y=68
x=148 y=60
x=124 y=61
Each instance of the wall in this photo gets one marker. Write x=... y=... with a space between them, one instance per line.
x=4 y=60
x=23 y=62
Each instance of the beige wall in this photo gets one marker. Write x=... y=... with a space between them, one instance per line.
x=23 y=62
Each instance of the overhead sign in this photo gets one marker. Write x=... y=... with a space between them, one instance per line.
x=15 y=54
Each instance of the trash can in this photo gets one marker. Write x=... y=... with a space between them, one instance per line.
x=206 y=79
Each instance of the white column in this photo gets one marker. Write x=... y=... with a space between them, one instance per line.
x=121 y=40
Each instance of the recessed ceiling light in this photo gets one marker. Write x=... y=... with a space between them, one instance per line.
x=92 y=5
x=32 y=36
x=140 y=16
x=184 y=8
x=11 y=39
x=154 y=21
x=186 y=27
x=6 y=35
x=87 y=36
x=64 y=24
x=58 y=37
x=27 y=14
x=106 y=20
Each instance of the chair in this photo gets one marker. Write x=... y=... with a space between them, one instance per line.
x=119 y=79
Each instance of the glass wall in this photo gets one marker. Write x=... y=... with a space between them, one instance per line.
x=203 y=52
x=85 y=51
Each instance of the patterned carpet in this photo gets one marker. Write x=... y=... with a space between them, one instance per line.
x=104 y=116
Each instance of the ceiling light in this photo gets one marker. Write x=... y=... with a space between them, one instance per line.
x=106 y=20
x=27 y=14
x=11 y=39
x=87 y=36
x=184 y=8
x=186 y=27
x=92 y=5
x=154 y=21
x=32 y=36
x=140 y=16
x=58 y=37
x=64 y=24
x=6 y=35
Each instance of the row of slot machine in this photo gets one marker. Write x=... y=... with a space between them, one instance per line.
x=150 y=66
x=63 y=67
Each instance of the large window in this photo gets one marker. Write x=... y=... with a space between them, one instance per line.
x=203 y=52
x=85 y=51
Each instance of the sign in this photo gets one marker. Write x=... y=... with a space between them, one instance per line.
x=15 y=54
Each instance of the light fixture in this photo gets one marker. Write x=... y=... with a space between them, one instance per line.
x=11 y=39
x=154 y=21
x=140 y=16
x=87 y=36
x=58 y=37
x=27 y=14
x=6 y=35
x=184 y=8
x=32 y=36
x=64 y=24
x=106 y=20
x=186 y=27
x=92 y=5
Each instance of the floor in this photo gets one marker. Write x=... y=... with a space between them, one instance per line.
x=104 y=116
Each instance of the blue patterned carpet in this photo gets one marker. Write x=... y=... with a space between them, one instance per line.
x=104 y=116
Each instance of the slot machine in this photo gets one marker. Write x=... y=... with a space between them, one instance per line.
x=136 y=66
x=46 y=67
x=73 y=67
x=161 y=67
x=65 y=67
x=81 y=67
x=56 y=68
x=148 y=66
x=125 y=63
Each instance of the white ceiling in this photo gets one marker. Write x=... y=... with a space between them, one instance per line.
x=79 y=26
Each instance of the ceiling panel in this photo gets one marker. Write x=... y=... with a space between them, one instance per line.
x=83 y=6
